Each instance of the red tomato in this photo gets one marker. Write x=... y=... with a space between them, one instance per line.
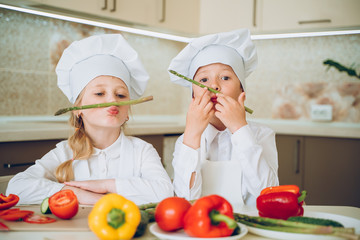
x=15 y=214
x=170 y=212
x=39 y=219
x=64 y=204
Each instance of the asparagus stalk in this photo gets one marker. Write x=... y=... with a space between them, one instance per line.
x=147 y=206
x=101 y=105
x=153 y=205
x=151 y=214
x=203 y=86
x=294 y=227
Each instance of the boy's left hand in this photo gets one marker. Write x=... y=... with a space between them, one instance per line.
x=231 y=112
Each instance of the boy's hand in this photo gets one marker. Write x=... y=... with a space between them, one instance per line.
x=231 y=112
x=199 y=113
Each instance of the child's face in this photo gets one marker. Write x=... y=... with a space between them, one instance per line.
x=220 y=77
x=104 y=89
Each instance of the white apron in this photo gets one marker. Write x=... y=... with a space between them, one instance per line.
x=222 y=178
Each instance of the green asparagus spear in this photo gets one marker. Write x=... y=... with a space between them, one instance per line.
x=100 y=105
x=147 y=206
x=203 y=86
x=289 y=226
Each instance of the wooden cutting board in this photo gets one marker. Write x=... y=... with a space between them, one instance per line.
x=78 y=223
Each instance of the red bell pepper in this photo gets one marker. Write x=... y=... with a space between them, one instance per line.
x=210 y=217
x=8 y=201
x=282 y=188
x=281 y=202
x=3 y=227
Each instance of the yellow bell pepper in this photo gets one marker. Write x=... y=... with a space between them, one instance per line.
x=114 y=217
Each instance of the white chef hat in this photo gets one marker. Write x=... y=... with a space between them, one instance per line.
x=233 y=48
x=106 y=54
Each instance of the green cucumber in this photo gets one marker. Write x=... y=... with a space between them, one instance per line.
x=44 y=207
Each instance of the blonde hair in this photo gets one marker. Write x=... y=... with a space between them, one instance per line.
x=79 y=143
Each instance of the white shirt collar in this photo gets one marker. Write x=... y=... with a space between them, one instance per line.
x=113 y=150
x=211 y=132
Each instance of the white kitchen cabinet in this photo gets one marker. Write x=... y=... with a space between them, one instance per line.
x=181 y=16
x=298 y=15
x=146 y=12
x=326 y=167
x=200 y=17
x=208 y=16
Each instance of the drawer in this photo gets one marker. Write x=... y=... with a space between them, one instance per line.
x=18 y=156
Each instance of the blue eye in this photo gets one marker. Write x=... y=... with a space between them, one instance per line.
x=99 y=94
x=225 y=78
x=203 y=80
x=121 y=96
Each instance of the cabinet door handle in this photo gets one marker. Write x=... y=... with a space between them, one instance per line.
x=105 y=5
x=12 y=165
x=161 y=13
x=114 y=6
x=315 y=21
x=254 y=13
x=297 y=156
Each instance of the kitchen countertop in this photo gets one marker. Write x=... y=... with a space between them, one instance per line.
x=80 y=222
x=48 y=127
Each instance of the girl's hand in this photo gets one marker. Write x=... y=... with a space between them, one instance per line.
x=97 y=186
x=231 y=112
x=84 y=196
x=199 y=113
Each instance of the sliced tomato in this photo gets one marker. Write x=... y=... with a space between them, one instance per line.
x=64 y=204
x=8 y=201
x=16 y=215
x=39 y=219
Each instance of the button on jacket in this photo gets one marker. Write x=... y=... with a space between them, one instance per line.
x=133 y=163
x=252 y=149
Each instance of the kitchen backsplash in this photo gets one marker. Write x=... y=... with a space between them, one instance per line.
x=290 y=76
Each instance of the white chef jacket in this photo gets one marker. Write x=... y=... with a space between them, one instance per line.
x=253 y=146
x=133 y=163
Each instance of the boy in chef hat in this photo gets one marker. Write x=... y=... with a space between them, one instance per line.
x=220 y=151
x=98 y=158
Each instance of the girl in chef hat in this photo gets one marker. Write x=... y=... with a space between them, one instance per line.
x=98 y=158
x=220 y=151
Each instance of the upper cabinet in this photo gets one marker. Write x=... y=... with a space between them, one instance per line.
x=296 y=15
x=208 y=16
x=145 y=12
x=182 y=16
x=199 y=17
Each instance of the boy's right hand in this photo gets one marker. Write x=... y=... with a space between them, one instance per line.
x=199 y=114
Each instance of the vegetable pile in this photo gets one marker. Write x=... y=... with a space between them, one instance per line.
x=62 y=204
x=202 y=210
x=209 y=216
